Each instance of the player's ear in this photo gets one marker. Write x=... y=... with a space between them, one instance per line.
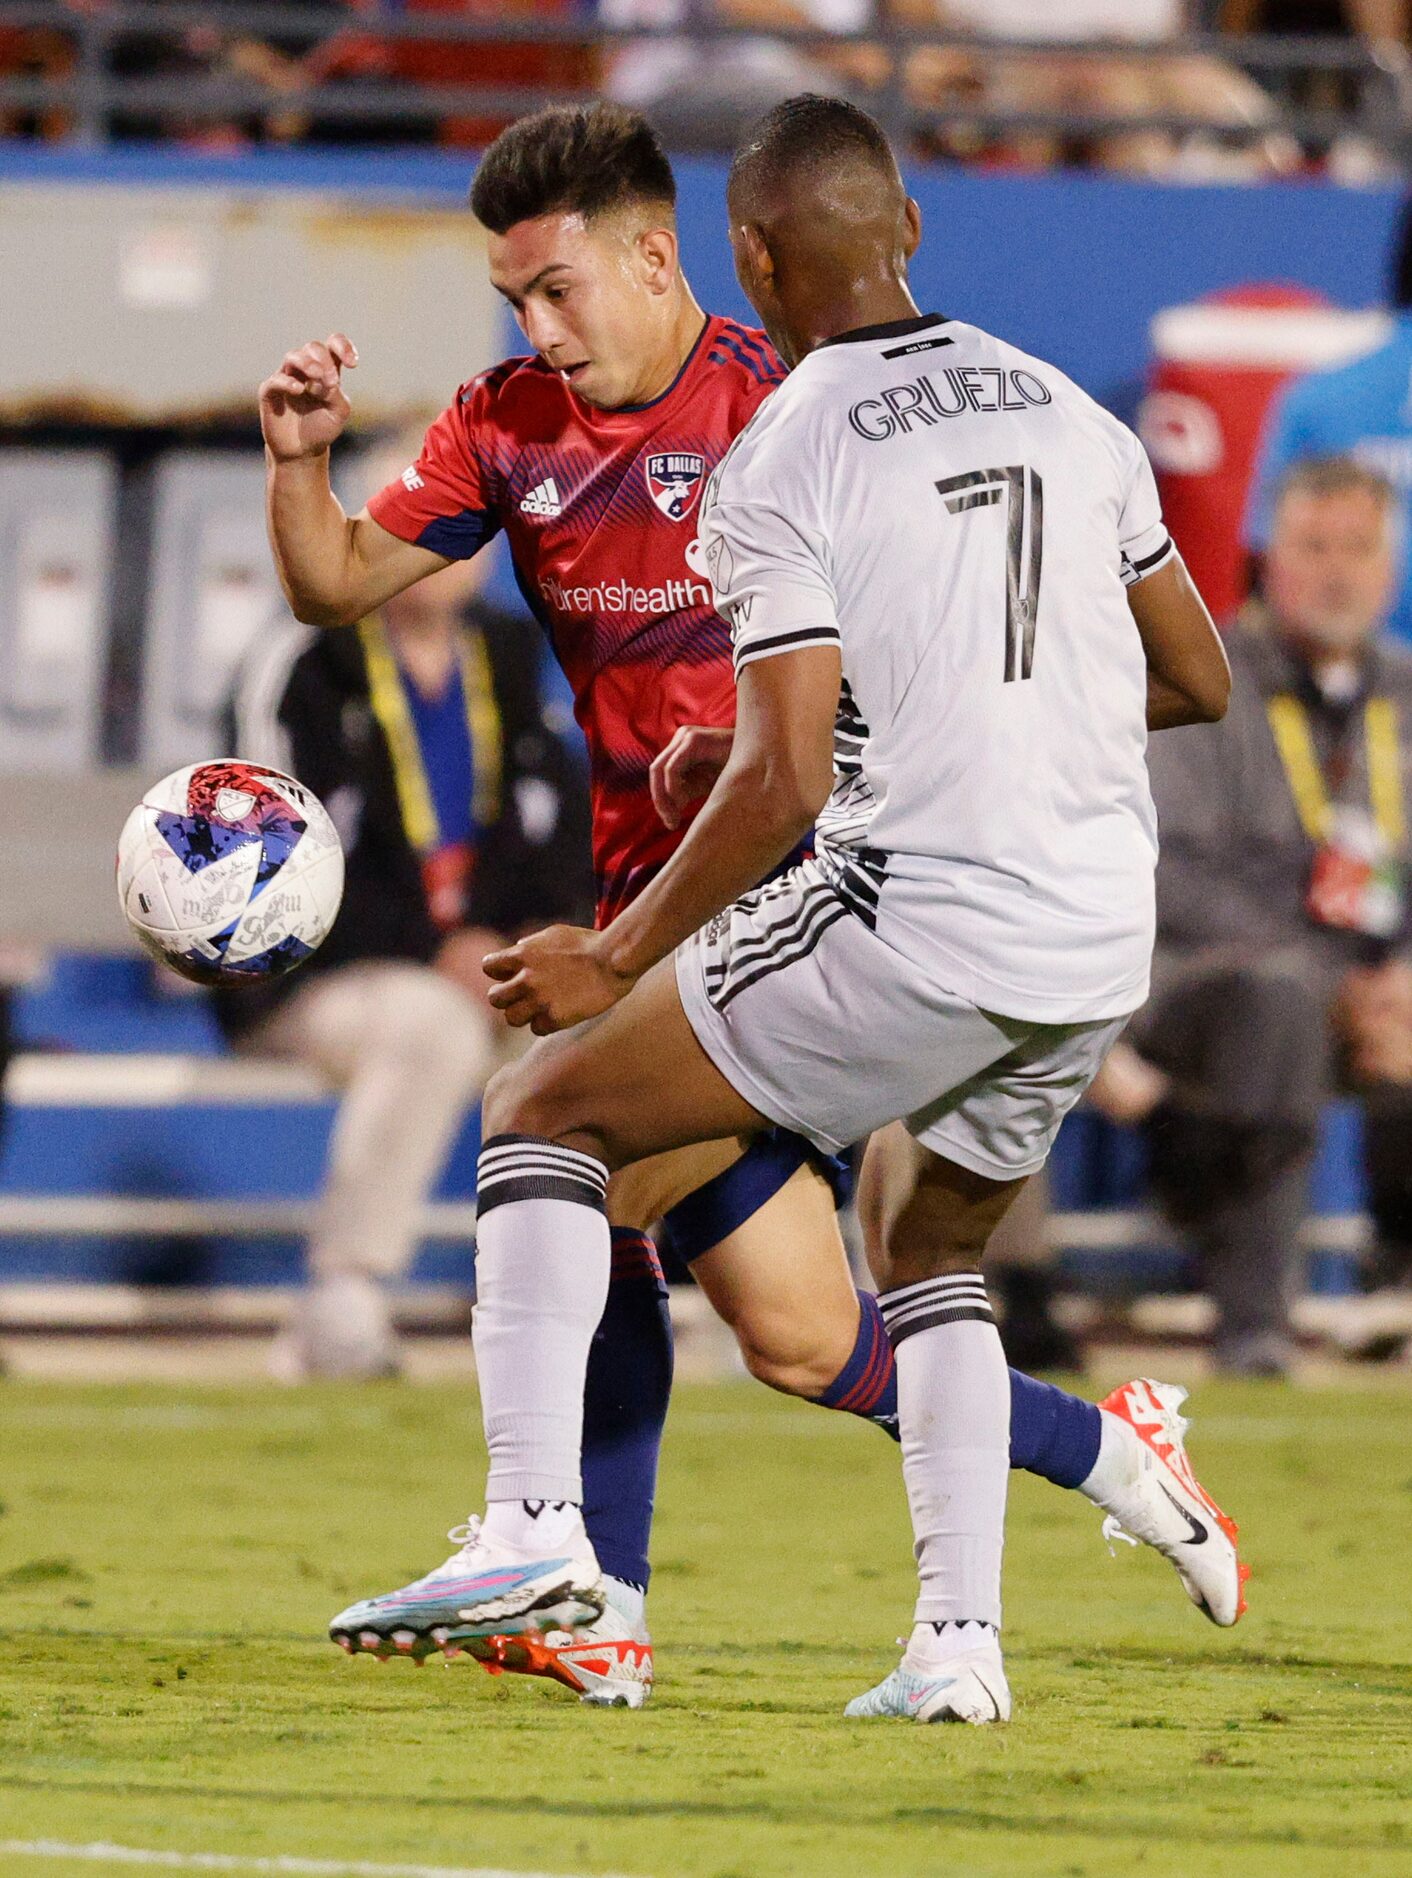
x=754 y=264
x=911 y=228
x=658 y=257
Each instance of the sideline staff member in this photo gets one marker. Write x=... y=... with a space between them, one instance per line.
x=1282 y=967
x=464 y=819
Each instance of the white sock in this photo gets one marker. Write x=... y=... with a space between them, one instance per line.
x=628 y=1600
x=543 y=1253
x=1119 y=1462
x=540 y=1526
x=931 y=1646
x=953 y=1399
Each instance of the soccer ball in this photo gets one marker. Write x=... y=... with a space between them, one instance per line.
x=229 y=872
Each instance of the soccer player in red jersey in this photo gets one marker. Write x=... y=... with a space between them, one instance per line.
x=591 y=455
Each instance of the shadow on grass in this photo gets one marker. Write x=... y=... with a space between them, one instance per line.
x=1145 y=1827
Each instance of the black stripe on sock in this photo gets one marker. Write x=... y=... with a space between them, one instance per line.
x=539 y=1187
x=955 y=1314
x=526 y=1167
x=932 y=1302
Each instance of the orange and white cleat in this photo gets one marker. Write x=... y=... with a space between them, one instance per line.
x=1163 y=1504
x=607 y=1663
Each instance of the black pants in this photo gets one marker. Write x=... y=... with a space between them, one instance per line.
x=1248 y=1048
x=1246 y=1045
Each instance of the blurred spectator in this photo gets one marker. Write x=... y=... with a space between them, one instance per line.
x=1282 y=968
x=1378 y=94
x=43 y=52
x=1362 y=410
x=362 y=57
x=1183 y=85
x=464 y=819
x=705 y=93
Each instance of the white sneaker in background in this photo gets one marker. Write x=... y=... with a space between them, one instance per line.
x=339 y=1330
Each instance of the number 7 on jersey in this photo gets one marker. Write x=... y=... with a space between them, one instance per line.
x=1023 y=492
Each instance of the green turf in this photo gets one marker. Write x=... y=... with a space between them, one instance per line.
x=168 y=1559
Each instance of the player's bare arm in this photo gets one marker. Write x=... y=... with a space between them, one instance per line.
x=1188 y=675
x=767 y=799
x=333 y=568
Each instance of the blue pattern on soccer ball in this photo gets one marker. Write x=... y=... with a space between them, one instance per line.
x=199 y=841
x=290 y=952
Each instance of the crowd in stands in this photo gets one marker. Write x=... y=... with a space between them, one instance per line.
x=1021 y=84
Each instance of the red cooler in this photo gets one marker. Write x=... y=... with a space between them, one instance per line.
x=1218 y=365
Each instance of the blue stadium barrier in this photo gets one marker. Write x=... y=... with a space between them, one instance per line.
x=255 y=1151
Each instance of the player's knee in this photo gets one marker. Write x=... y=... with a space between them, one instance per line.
x=532 y=1097
x=515 y=1103
x=796 y=1355
x=909 y=1251
x=791 y=1368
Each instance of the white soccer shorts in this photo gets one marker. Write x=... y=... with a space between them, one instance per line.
x=828 y=1031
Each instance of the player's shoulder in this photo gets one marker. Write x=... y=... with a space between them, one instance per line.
x=772 y=448
x=744 y=354
x=1079 y=409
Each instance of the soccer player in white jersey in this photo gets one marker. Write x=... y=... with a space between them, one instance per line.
x=956 y=614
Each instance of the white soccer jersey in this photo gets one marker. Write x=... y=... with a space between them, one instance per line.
x=962 y=521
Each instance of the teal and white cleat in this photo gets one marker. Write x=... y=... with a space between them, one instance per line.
x=481 y=1590
x=970 y=1687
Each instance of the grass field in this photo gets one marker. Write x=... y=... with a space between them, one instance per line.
x=169 y=1558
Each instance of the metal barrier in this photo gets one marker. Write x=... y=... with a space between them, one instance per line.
x=86 y=97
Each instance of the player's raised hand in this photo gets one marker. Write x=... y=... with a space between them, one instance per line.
x=687 y=768
x=303 y=406
x=554 y=979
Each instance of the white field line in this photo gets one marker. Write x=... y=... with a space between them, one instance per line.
x=104 y=1854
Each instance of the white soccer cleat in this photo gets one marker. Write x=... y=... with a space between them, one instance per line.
x=606 y=1662
x=969 y=1687
x=485 y=1589
x=1164 y=1505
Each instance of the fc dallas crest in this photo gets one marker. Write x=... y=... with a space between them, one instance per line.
x=674 y=479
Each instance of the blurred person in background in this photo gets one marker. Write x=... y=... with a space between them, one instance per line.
x=1219 y=98
x=1283 y=970
x=1022 y=1274
x=704 y=93
x=464 y=819
x=1361 y=410
x=1382 y=26
x=363 y=58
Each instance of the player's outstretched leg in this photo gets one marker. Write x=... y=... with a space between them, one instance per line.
x=543 y=1261
x=1125 y=1454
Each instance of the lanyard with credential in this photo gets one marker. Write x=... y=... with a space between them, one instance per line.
x=1290 y=723
x=388 y=698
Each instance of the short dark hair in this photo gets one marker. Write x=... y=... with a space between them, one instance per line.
x=571 y=159
x=809 y=131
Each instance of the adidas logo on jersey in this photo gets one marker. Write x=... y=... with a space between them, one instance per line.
x=543 y=499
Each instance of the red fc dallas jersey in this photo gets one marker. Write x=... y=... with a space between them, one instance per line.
x=599 y=508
